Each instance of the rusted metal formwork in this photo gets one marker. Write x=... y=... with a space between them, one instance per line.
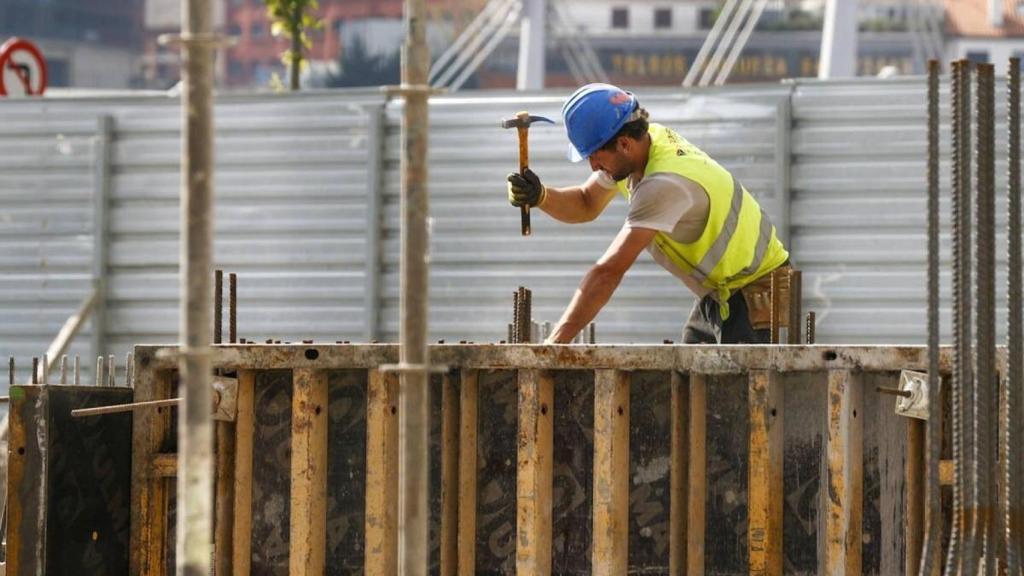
x=557 y=459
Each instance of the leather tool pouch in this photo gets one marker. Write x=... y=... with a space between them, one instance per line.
x=758 y=296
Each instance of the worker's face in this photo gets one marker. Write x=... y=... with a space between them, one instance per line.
x=617 y=162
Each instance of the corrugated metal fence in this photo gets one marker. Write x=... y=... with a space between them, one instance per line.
x=307 y=194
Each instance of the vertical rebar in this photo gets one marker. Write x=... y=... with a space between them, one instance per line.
x=129 y=368
x=10 y=371
x=985 y=329
x=44 y=377
x=514 y=338
x=78 y=370
x=232 y=308
x=592 y=333
x=98 y=376
x=961 y=303
x=35 y=370
x=526 y=315
x=1012 y=387
x=933 y=489
x=64 y=369
x=218 y=306
x=809 y=327
x=415 y=415
x=194 y=540
x=111 y=371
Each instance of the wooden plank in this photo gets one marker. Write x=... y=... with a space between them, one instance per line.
x=764 y=532
x=150 y=492
x=224 y=499
x=468 y=396
x=165 y=465
x=534 y=477
x=449 y=475
x=678 y=475
x=308 y=530
x=382 y=474
x=697 y=477
x=914 y=479
x=611 y=472
x=241 y=549
x=845 y=489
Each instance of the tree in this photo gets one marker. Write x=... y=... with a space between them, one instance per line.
x=359 y=68
x=294 y=19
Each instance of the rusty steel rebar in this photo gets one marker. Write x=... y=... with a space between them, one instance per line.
x=961 y=310
x=233 y=308
x=218 y=306
x=933 y=490
x=514 y=335
x=78 y=370
x=10 y=371
x=1012 y=387
x=985 y=384
x=44 y=370
x=809 y=326
x=35 y=370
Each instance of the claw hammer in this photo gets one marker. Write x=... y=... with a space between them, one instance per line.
x=521 y=122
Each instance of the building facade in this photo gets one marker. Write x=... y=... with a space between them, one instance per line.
x=86 y=43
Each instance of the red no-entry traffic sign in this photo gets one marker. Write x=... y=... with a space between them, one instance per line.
x=22 y=69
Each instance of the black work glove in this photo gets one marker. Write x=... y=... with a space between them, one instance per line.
x=525 y=189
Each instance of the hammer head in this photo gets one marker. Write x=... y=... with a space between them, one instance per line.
x=523 y=120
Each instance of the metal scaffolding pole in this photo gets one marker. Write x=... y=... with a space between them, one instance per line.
x=839 y=40
x=195 y=429
x=414 y=415
x=530 y=74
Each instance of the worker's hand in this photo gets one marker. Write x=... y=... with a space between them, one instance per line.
x=526 y=190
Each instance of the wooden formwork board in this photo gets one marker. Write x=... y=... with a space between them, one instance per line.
x=750 y=440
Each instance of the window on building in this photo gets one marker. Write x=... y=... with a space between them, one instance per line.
x=707 y=18
x=234 y=30
x=662 y=18
x=978 y=56
x=620 y=18
x=257 y=30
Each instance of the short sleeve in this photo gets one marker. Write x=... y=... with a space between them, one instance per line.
x=602 y=179
x=659 y=202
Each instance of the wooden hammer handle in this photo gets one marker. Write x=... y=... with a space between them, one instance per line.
x=524 y=161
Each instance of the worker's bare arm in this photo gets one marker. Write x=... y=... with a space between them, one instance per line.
x=600 y=282
x=577 y=204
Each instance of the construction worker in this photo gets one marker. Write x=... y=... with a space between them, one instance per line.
x=689 y=212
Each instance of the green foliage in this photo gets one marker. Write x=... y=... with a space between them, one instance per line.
x=359 y=68
x=294 y=19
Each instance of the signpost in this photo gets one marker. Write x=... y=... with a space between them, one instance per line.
x=22 y=69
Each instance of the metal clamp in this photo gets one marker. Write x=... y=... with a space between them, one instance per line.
x=405 y=367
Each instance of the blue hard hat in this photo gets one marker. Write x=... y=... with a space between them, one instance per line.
x=593 y=115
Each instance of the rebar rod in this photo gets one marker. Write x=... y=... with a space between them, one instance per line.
x=961 y=286
x=10 y=371
x=78 y=370
x=35 y=370
x=64 y=369
x=984 y=461
x=232 y=308
x=933 y=490
x=218 y=306
x=1012 y=387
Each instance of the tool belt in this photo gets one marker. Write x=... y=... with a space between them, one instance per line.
x=758 y=296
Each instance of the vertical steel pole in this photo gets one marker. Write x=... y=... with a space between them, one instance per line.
x=1015 y=338
x=985 y=331
x=933 y=494
x=195 y=427
x=414 y=391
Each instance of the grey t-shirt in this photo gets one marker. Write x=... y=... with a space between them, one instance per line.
x=668 y=203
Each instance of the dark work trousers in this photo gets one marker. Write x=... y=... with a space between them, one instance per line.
x=705 y=324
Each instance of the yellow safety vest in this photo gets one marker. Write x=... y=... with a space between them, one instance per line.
x=739 y=243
